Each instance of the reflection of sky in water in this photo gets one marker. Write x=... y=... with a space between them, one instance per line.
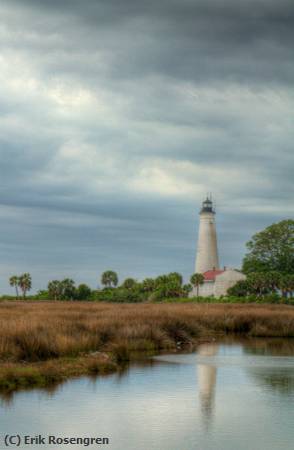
x=223 y=398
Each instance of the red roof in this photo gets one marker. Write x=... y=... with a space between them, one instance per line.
x=210 y=275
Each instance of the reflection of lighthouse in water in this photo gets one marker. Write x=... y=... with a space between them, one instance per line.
x=207 y=382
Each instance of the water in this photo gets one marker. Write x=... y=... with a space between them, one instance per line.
x=224 y=397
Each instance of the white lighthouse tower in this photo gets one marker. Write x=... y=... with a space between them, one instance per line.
x=207 y=253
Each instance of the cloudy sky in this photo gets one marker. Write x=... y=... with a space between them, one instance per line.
x=116 y=118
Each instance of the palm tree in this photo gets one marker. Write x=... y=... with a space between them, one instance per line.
x=55 y=289
x=129 y=283
x=109 y=278
x=14 y=281
x=176 y=276
x=68 y=289
x=148 y=285
x=25 y=283
x=197 y=279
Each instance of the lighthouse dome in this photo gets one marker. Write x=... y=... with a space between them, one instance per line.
x=207 y=206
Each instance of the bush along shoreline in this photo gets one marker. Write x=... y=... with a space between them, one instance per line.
x=45 y=343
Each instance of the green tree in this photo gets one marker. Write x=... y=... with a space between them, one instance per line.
x=272 y=280
x=129 y=283
x=271 y=249
x=25 y=283
x=14 y=281
x=257 y=283
x=290 y=284
x=83 y=292
x=187 y=288
x=286 y=285
x=148 y=285
x=240 y=289
x=160 y=280
x=109 y=278
x=197 y=279
x=168 y=289
x=55 y=289
x=43 y=295
x=176 y=276
x=68 y=289
x=171 y=277
x=167 y=286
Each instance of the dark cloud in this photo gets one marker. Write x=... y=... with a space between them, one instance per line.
x=117 y=117
x=193 y=40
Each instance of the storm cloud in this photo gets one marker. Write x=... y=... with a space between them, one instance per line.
x=117 y=117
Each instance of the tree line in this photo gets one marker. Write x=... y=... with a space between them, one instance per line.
x=169 y=285
x=259 y=284
x=269 y=266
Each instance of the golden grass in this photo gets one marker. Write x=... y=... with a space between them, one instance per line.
x=35 y=332
x=42 y=331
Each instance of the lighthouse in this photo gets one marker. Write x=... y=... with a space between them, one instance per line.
x=216 y=281
x=207 y=253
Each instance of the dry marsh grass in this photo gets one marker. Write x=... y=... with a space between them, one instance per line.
x=42 y=344
x=32 y=332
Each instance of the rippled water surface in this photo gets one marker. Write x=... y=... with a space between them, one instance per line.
x=224 y=397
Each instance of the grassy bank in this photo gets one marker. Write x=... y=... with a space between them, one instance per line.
x=41 y=343
x=15 y=376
